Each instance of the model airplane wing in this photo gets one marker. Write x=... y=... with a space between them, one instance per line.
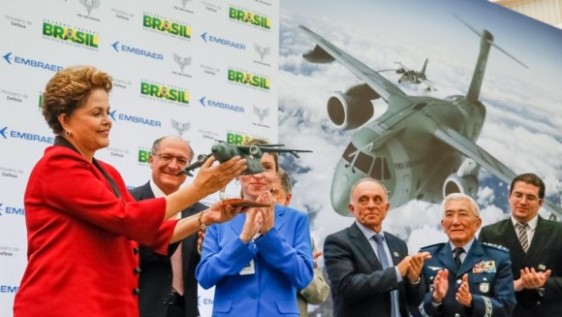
x=377 y=82
x=486 y=160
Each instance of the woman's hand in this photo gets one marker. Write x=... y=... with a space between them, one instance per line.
x=212 y=178
x=220 y=212
x=252 y=225
x=268 y=213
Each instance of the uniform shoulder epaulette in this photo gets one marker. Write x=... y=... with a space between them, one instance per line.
x=496 y=246
x=433 y=246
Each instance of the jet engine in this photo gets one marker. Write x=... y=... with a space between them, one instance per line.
x=455 y=184
x=353 y=108
x=464 y=180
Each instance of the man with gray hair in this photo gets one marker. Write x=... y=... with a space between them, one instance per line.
x=466 y=277
x=167 y=283
x=369 y=269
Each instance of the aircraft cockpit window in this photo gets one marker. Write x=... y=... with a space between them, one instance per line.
x=380 y=169
x=363 y=162
x=349 y=152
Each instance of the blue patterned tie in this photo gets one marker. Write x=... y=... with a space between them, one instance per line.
x=395 y=308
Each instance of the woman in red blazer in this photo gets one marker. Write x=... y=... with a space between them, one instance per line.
x=83 y=226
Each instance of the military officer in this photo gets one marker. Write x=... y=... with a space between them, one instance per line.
x=466 y=277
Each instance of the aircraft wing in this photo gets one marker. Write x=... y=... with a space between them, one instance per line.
x=486 y=160
x=378 y=83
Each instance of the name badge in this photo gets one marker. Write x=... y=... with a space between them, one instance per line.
x=248 y=269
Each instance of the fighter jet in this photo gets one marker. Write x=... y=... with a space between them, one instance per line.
x=412 y=76
x=422 y=147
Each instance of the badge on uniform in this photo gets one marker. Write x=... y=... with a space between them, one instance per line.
x=484 y=287
x=484 y=267
x=477 y=268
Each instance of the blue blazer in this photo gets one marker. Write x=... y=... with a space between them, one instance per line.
x=281 y=259
x=489 y=278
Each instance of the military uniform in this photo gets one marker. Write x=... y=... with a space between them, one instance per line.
x=489 y=277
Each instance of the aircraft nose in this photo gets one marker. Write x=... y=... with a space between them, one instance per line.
x=341 y=184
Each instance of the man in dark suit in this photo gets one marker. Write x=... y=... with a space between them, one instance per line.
x=167 y=291
x=369 y=270
x=466 y=277
x=535 y=246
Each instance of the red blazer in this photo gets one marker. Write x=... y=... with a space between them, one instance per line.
x=82 y=239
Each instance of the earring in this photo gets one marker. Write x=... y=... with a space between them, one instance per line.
x=67 y=133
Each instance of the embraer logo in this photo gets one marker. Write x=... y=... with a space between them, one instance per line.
x=3 y=132
x=7 y=58
x=221 y=41
x=112 y=115
x=118 y=47
x=30 y=62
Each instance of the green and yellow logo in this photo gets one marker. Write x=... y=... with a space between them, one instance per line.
x=165 y=93
x=143 y=156
x=238 y=139
x=68 y=34
x=166 y=26
x=248 y=79
x=248 y=17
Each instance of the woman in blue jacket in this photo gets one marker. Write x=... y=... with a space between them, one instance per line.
x=258 y=260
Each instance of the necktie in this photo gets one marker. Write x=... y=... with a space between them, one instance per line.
x=177 y=276
x=458 y=251
x=522 y=234
x=394 y=307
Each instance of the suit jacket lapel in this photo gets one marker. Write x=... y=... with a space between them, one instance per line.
x=512 y=242
x=358 y=239
x=540 y=240
x=446 y=258
x=394 y=248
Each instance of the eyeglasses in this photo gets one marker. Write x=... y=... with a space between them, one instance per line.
x=168 y=158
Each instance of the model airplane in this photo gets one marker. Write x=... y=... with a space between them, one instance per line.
x=223 y=152
x=422 y=147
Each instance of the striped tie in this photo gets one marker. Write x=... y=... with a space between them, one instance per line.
x=522 y=234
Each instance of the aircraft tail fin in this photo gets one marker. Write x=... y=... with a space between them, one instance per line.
x=486 y=42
